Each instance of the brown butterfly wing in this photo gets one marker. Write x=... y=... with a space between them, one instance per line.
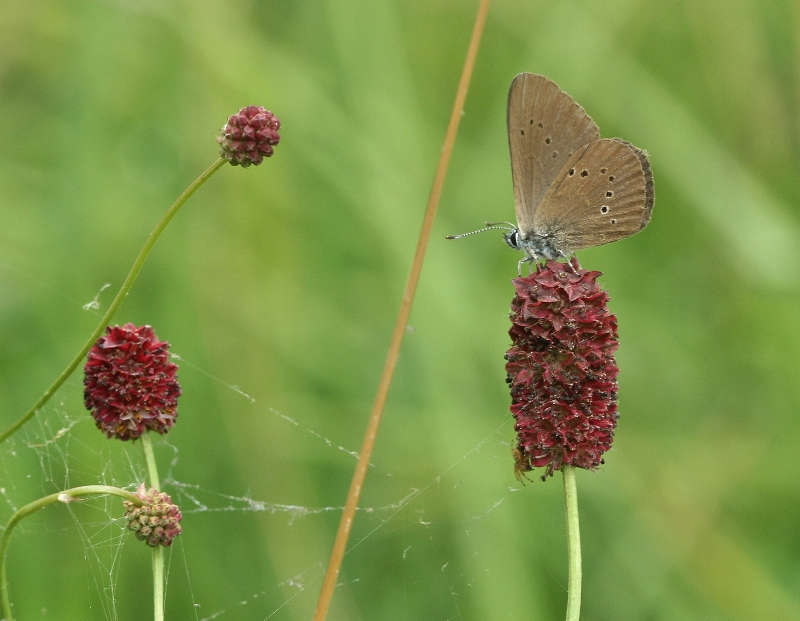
x=545 y=127
x=604 y=193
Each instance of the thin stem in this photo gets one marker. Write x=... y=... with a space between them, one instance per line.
x=150 y=460
x=158 y=583
x=158 y=551
x=573 y=544
x=357 y=484
x=31 y=508
x=115 y=304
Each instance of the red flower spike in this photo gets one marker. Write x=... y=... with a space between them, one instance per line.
x=129 y=383
x=248 y=137
x=157 y=521
x=561 y=369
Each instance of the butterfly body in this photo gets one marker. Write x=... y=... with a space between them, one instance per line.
x=535 y=244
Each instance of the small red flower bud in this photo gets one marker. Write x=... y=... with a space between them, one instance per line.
x=130 y=384
x=157 y=521
x=248 y=137
x=561 y=369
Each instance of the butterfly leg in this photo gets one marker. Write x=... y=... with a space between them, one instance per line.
x=530 y=259
x=569 y=263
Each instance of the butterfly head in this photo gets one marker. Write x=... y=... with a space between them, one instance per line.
x=513 y=239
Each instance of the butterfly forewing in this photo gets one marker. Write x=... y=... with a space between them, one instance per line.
x=602 y=194
x=545 y=127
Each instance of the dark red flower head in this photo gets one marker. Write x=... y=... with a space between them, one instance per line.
x=248 y=137
x=130 y=384
x=561 y=369
x=157 y=521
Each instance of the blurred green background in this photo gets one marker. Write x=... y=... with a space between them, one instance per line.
x=278 y=287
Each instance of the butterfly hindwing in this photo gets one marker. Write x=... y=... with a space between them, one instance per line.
x=603 y=193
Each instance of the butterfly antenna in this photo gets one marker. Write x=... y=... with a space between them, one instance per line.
x=502 y=226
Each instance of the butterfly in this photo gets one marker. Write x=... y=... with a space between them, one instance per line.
x=572 y=189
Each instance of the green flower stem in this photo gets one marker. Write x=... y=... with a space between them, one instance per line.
x=150 y=460
x=123 y=292
x=573 y=544
x=68 y=495
x=158 y=551
x=158 y=582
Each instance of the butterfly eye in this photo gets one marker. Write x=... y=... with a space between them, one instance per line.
x=584 y=173
x=611 y=178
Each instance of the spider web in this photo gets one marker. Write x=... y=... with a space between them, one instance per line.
x=400 y=524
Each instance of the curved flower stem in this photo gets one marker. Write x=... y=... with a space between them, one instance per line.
x=31 y=508
x=115 y=304
x=573 y=544
x=360 y=474
x=158 y=551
